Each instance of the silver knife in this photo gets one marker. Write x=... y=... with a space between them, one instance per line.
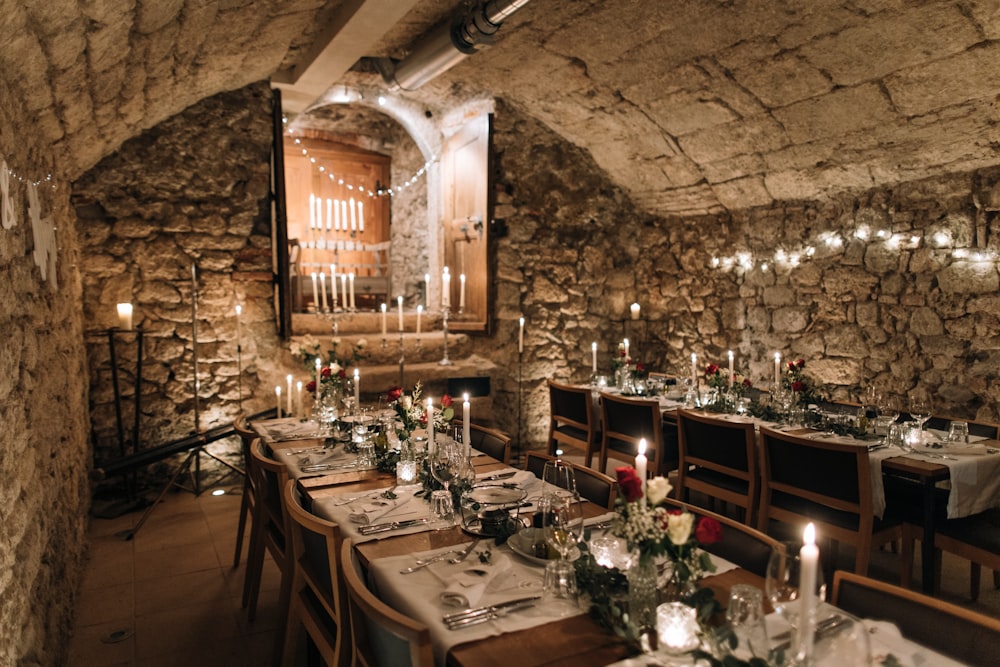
x=485 y=613
x=392 y=525
x=502 y=475
x=317 y=467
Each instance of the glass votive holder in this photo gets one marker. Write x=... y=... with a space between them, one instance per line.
x=406 y=472
x=914 y=436
x=677 y=627
x=896 y=435
x=958 y=432
x=608 y=551
x=366 y=454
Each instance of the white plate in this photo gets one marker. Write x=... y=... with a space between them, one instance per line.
x=496 y=495
x=520 y=543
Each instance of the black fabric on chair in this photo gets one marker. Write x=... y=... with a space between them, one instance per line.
x=959 y=633
x=573 y=421
x=975 y=538
x=595 y=486
x=534 y=462
x=489 y=441
x=628 y=420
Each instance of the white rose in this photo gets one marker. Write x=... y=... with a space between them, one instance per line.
x=334 y=368
x=407 y=402
x=657 y=490
x=679 y=527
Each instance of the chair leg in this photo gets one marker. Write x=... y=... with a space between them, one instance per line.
x=975 y=573
x=293 y=633
x=284 y=610
x=255 y=565
x=906 y=558
x=241 y=529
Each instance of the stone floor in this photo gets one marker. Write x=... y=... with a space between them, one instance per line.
x=175 y=598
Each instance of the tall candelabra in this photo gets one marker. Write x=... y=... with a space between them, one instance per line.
x=445 y=361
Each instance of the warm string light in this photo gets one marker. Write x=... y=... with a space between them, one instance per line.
x=21 y=179
x=386 y=192
x=830 y=243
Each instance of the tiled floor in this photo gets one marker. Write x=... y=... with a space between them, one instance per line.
x=171 y=593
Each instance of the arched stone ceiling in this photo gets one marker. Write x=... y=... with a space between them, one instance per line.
x=690 y=105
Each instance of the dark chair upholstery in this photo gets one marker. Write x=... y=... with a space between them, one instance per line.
x=826 y=483
x=718 y=458
x=573 y=420
x=595 y=486
x=534 y=462
x=247 y=436
x=625 y=422
x=959 y=633
x=490 y=442
x=975 y=538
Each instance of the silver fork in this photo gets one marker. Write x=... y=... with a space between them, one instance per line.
x=462 y=555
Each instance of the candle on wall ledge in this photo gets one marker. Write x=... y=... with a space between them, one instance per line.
x=239 y=333
x=445 y=289
x=399 y=307
x=634 y=308
x=777 y=370
x=354 y=215
x=343 y=289
x=383 y=320
x=461 y=291
x=329 y=213
x=315 y=292
x=361 y=216
x=420 y=311
x=730 y=370
x=322 y=289
x=640 y=467
x=350 y=282
x=289 y=409
x=466 y=422
x=333 y=286
x=277 y=396
x=520 y=336
x=593 y=357
x=357 y=388
x=298 y=399
x=343 y=213
x=125 y=317
x=808 y=567
x=336 y=215
x=427 y=290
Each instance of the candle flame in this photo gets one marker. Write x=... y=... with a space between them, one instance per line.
x=809 y=535
x=642 y=447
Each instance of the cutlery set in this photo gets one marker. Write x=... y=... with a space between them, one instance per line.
x=468 y=617
x=461 y=555
x=374 y=528
x=826 y=627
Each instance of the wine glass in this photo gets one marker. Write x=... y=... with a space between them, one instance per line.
x=558 y=478
x=562 y=526
x=888 y=412
x=782 y=581
x=445 y=462
x=920 y=409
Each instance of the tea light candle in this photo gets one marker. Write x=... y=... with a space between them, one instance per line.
x=730 y=370
x=604 y=551
x=593 y=357
x=125 y=316
x=809 y=563
x=406 y=472
x=357 y=388
x=640 y=468
x=466 y=422
x=420 y=311
x=399 y=309
x=288 y=379
x=634 y=308
x=520 y=336
x=777 y=369
x=277 y=396
x=676 y=627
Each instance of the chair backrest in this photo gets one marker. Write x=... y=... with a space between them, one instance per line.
x=957 y=632
x=383 y=637
x=595 y=486
x=725 y=447
x=247 y=436
x=572 y=405
x=269 y=477
x=490 y=442
x=316 y=544
x=940 y=423
x=628 y=420
x=534 y=462
x=740 y=544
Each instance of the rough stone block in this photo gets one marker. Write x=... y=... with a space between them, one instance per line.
x=969 y=75
x=790 y=320
x=969 y=278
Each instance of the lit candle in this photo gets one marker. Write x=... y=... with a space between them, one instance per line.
x=343 y=213
x=315 y=292
x=277 y=395
x=357 y=388
x=430 y=423
x=288 y=379
x=445 y=288
x=333 y=286
x=520 y=336
x=461 y=291
x=343 y=290
x=329 y=213
x=808 y=566
x=694 y=371
x=777 y=370
x=676 y=627
x=466 y=422
x=361 y=216
x=298 y=399
x=427 y=288
x=312 y=211
x=730 y=370
x=322 y=290
x=640 y=468
x=593 y=356
x=354 y=215
x=319 y=375
x=634 y=308
x=420 y=311
x=350 y=281
x=125 y=316
x=399 y=307
x=626 y=344
x=319 y=213
x=383 y=320
x=336 y=215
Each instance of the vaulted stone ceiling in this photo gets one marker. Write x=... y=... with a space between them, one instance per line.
x=690 y=105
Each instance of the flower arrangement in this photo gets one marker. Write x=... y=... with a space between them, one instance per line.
x=716 y=379
x=333 y=367
x=412 y=412
x=795 y=380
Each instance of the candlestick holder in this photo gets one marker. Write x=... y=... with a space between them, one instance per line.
x=445 y=361
x=332 y=316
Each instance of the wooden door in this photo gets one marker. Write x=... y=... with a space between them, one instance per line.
x=467 y=207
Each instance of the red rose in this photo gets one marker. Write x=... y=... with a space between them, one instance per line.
x=801 y=363
x=639 y=366
x=711 y=369
x=708 y=530
x=747 y=382
x=798 y=386
x=446 y=401
x=325 y=372
x=342 y=373
x=791 y=366
x=629 y=483
x=394 y=394
x=311 y=386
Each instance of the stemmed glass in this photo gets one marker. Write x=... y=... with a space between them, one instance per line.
x=782 y=581
x=445 y=462
x=562 y=526
x=920 y=409
x=559 y=474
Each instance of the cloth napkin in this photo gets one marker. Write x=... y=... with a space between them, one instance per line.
x=373 y=510
x=288 y=428
x=468 y=581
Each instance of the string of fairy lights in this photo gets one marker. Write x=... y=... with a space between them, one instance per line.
x=339 y=180
x=827 y=244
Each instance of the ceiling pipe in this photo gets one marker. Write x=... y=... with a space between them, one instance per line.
x=449 y=44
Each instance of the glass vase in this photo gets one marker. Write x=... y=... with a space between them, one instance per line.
x=642 y=594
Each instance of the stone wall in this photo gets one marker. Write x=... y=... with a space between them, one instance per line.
x=191 y=191
x=894 y=309
x=44 y=460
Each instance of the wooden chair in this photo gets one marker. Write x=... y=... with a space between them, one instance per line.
x=975 y=538
x=957 y=632
x=592 y=485
x=534 y=462
x=742 y=545
x=383 y=637
x=826 y=483
x=248 y=500
x=628 y=420
x=318 y=600
x=490 y=442
x=573 y=419
x=719 y=459
x=267 y=528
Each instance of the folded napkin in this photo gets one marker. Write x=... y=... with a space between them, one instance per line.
x=952 y=448
x=375 y=509
x=885 y=640
x=288 y=428
x=470 y=579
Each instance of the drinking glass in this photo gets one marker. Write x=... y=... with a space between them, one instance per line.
x=562 y=525
x=559 y=474
x=920 y=409
x=888 y=408
x=745 y=616
x=782 y=581
x=958 y=431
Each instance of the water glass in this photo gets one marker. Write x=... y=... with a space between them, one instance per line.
x=958 y=432
x=559 y=580
x=896 y=435
x=442 y=510
x=366 y=454
x=745 y=615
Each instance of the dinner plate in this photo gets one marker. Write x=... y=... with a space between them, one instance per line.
x=520 y=543
x=497 y=495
